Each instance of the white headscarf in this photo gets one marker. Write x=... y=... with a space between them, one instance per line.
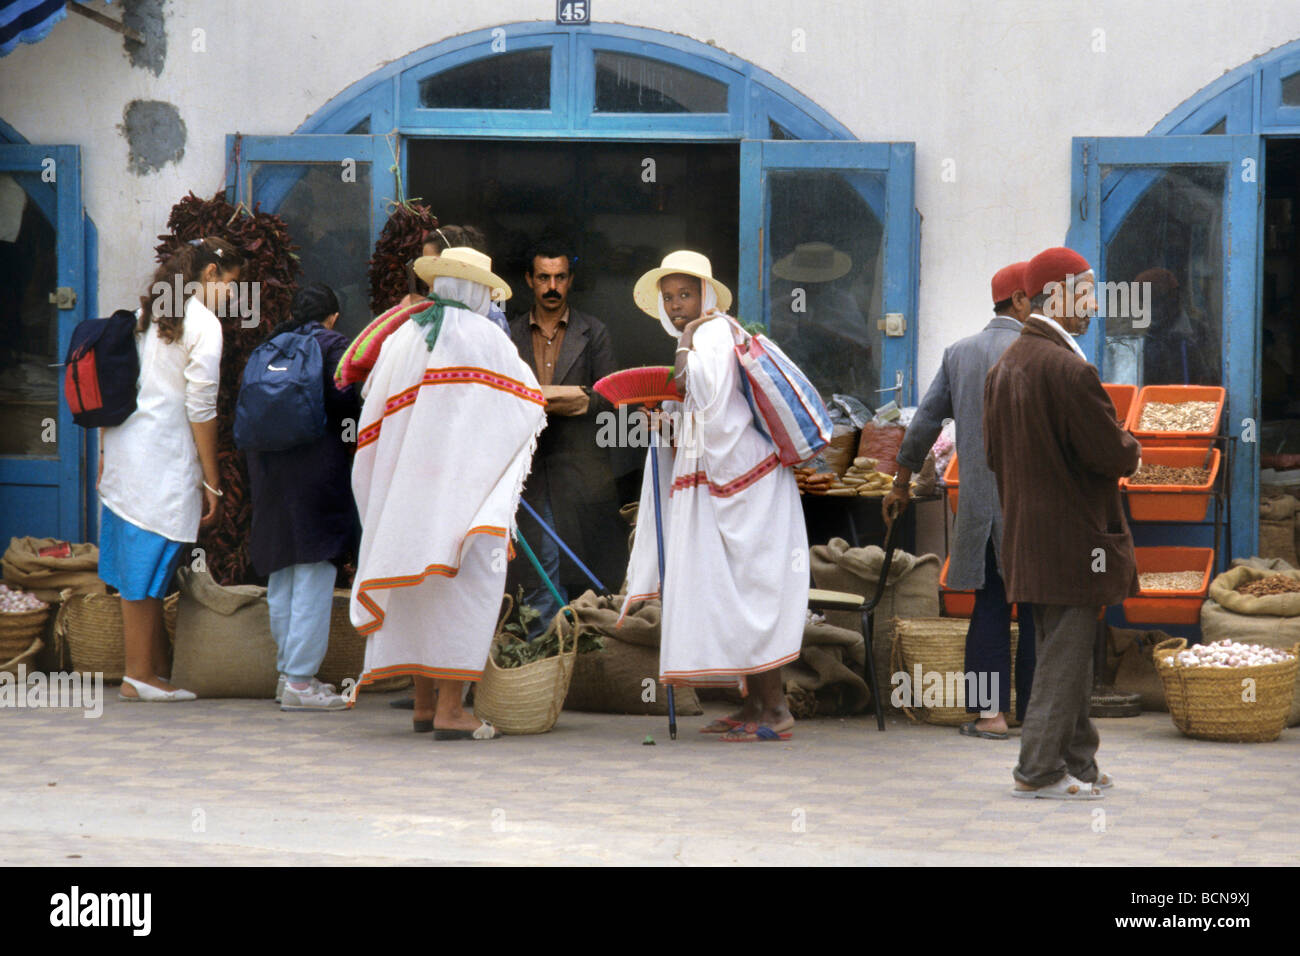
x=475 y=295
x=709 y=300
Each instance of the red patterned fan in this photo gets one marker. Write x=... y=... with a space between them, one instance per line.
x=647 y=385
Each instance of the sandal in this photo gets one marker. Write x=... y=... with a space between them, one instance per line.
x=971 y=729
x=484 y=731
x=755 y=733
x=721 y=726
x=1067 y=788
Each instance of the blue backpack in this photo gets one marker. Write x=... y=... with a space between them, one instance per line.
x=282 y=399
x=101 y=371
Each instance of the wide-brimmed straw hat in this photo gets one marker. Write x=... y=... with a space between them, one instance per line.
x=462 y=262
x=646 y=290
x=812 y=262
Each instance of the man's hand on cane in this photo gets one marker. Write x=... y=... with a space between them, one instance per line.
x=900 y=495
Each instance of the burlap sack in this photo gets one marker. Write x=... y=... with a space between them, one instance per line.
x=1277 y=528
x=912 y=591
x=223 y=643
x=613 y=681
x=25 y=569
x=1132 y=668
x=827 y=678
x=1273 y=621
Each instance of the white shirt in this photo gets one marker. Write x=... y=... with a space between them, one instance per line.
x=152 y=475
x=1066 y=336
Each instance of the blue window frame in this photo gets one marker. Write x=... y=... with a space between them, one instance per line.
x=879 y=178
x=46 y=496
x=1111 y=179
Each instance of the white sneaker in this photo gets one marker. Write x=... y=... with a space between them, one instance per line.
x=316 y=696
x=279 y=687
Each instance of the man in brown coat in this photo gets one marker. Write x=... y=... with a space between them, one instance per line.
x=1051 y=439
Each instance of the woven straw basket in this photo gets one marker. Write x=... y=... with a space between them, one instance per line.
x=346 y=655
x=19 y=629
x=528 y=699
x=1206 y=702
x=91 y=627
x=939 y=644
x=26 y=656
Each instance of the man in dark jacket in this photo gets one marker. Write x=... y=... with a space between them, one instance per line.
x=1051 y=438
x=572 y=484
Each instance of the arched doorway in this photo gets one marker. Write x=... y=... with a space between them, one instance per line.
x=624 y=129
x=47 y=285
x=1202 y=208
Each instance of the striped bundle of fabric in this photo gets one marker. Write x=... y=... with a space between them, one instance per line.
x=786 y=406
x=362 y=354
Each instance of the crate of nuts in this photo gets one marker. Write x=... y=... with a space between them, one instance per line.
x=1227 y=690
x=1173 y=484
x=1177 y=416
x=1173 y=583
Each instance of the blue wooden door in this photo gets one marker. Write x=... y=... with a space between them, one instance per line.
x=829 y=237
x=1175 y=221
x=334 y=192
x=43 y=295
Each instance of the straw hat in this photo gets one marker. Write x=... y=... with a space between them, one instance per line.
x=812 y=262
x=646 y=291
x=462 y=262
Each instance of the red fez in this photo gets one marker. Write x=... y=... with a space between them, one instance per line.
x=1008 y=280
x=1052 y=265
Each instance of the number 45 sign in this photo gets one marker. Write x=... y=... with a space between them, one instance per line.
x=570 y=13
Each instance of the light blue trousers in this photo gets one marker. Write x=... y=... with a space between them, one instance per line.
x=300 y=598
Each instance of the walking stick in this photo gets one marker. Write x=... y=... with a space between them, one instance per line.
x=564 y=547
x=546 y=578
x=659 y=535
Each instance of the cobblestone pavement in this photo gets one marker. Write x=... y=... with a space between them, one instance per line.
x=240 y=782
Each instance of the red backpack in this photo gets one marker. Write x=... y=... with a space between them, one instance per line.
x=102 y=370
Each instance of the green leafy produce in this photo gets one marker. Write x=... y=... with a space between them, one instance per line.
x=512 y=650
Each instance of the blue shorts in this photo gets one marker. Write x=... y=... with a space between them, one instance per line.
x=139 y=563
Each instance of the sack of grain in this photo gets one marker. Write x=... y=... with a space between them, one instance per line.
x=223 y=644
x=912 y=591
x=25 y=569
x=1132 y=667
x=612 y=681
x=827 y=677
x=1277 y=524
x=882 y=442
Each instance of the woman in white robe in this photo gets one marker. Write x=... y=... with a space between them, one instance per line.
x=443 y=448
x=735 y=591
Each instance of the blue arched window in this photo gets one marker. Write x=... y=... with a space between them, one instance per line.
x=801 y=177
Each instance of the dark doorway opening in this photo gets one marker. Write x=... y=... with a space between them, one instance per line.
x=622 y=206
x=1280 y=311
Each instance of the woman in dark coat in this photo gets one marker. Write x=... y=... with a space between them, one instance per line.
x=304 y=518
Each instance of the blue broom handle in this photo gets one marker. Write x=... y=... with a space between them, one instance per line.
x=563 y=547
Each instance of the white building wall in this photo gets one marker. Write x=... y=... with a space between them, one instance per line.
x=998 y=88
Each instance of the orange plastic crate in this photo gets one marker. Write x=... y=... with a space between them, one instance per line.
x=951 y=480
x=1177 y=393
x=959 y=603
x=1171 y=607
x=1172 y=502
x=1121 y=396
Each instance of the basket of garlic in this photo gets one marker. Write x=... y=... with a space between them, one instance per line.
x=1227 y=691
x=22 y=620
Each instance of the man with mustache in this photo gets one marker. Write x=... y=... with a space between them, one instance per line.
x=572 y=483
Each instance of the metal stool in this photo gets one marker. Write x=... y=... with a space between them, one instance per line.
x=819 y=600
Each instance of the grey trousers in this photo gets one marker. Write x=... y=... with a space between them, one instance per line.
x=1058 y=737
